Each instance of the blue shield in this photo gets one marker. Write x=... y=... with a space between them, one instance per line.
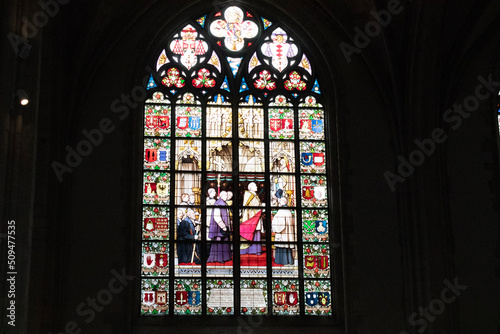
x=194 y=123
x=194 y=297
x=324 y=298
x=317 y=125
x=321 y=227
x=312 y=298
x=306 y=159
x=162 y=155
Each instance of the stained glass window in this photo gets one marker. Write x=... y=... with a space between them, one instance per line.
x=236 y=214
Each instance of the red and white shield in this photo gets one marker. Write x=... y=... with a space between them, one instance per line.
x=287 y=124
x=161 y=297
x=150 y=188
x=151 y=154
x=161 y=260
x=291 y=298
x=182 y=122
x=280 y=298
x=163 y=122
x=181 y=297
x=162 y=224
x=148 y=297
x=148 y=260
x=151 y=121
x=275 y=124
x=319 y=159
x=305 y=124
x=149 y=224
x=310 y=262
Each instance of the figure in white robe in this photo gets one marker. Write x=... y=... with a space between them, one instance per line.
x=283 y=227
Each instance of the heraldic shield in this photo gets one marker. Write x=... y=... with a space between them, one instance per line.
x=151 y=154
x=310 y=261
x=151 y=122
x=291 y=298
x=280 y=298
x=306 y=159
x=181 y=298
x=149 y=297
x=149 y=260
x=317 y=125
x=161 y=297
x=194 y=298
x=324 y=298
x=321 y=226
x=312 y=298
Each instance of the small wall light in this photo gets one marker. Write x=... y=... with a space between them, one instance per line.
x=23 y=97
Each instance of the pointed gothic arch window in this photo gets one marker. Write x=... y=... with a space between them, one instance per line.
x=235 y=200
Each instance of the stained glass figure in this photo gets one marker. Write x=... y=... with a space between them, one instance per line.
x=220 y=253
x=188 y=155
x=282 y=157
x=251 y=120
x=282 y=190
x=281 y=119
x=234 y=29
x=157 y=119
x=154 y=296
x=156 y=153
x=318 y=298
x=189 y=47
x=219 y=118
x=155 y=223
x=187 y=296
x=155 y=259
x=251 y=156
x=219 y=155
x=251 y=217
x=187 y=189
x=305 y=64
x=162 y=60
x=253 y=294
x=312 y=157
x=188 y=117
x=192 y=215
x=314 y=191
x=279 y=49
x=156 y=188
x=315 y=225
x=285 y=297
x=220 y=297
x=316 y=260
x=284 y=234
